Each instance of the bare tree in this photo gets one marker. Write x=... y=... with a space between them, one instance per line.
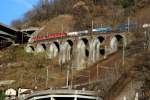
x=82 y=12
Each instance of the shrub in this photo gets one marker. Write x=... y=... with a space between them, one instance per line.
x=2 y=95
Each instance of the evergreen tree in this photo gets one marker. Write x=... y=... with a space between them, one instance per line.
x=126 y=3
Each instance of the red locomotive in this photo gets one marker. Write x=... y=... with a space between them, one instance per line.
x=49 y=36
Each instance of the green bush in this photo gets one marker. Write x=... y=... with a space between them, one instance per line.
x=126 y=3
x=2 y=95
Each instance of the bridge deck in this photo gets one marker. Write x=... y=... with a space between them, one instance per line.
x=6 y=34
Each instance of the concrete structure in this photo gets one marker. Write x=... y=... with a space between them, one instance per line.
x=83 y=50
x=22 y=93
x=63 y=95
x=30 y=30
x=9 y=35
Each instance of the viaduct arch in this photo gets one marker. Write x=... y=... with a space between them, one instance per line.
x=83 y=49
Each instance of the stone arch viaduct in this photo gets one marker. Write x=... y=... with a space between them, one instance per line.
x=83 y=50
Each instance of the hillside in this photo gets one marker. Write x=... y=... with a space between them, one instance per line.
x=79 y=15
x=28 y=70
x=83 y=11
x=62 y=23
x=36 y=71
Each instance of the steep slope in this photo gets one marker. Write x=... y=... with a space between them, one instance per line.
x=62 y=23
x=28 y=70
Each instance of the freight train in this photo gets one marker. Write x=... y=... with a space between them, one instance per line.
x=118 y=28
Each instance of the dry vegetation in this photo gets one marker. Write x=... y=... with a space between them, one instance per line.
x=108 y=12
x=29 y=70
x=113 y=76
x=58 y=25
